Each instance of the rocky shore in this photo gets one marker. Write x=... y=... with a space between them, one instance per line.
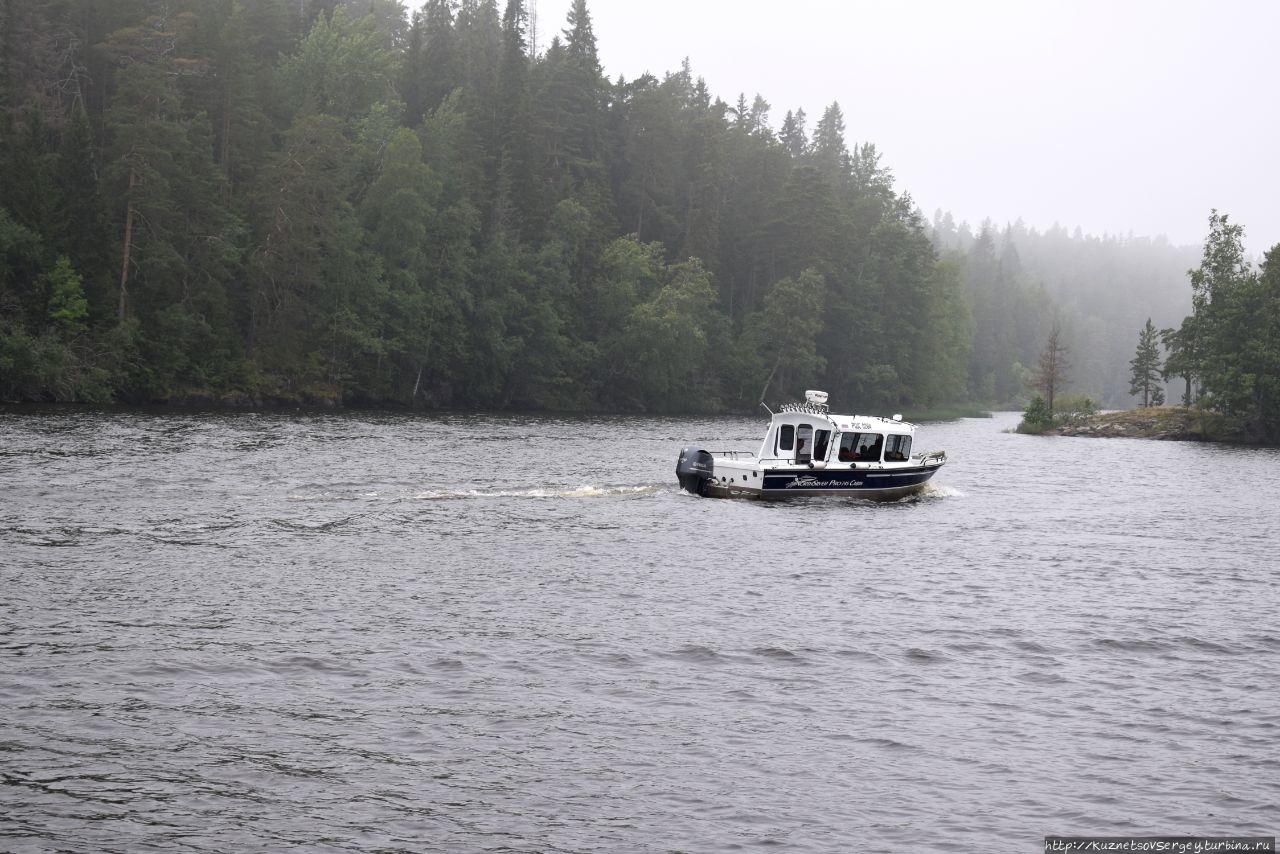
x=1178 y=423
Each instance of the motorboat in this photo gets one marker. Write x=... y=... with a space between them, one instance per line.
x=809 y=451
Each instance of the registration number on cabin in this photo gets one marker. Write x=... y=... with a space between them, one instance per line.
x=859 y=426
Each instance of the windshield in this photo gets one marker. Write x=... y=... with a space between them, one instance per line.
x=861 y=447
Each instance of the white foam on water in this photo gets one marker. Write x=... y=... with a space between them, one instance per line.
x=584 y=491
x=940 y=490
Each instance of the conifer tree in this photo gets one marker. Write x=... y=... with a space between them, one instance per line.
x=793 y=135
x=827 y=149
x=514 y=194
x=1145 y=378
x=1264 y=348
x=412 y=88
x=439 y=64
x=1180 y=357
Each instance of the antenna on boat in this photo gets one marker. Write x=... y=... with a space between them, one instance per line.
x=766 y=408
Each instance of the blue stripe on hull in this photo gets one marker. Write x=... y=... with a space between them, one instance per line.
x=844 y=481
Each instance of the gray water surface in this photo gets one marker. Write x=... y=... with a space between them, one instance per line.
x=355 y=632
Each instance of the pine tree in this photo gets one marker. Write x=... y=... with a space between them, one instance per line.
x=342 y=68
x=1180 y=356
x=1145 y=378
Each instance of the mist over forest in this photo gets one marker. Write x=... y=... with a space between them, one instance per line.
x=1102 y=290
x=319 y=202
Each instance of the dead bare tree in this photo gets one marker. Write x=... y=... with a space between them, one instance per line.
x=1051 y=374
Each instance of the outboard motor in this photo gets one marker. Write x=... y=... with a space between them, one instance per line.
x=695 y=468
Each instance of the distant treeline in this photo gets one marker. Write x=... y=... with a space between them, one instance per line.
x=311 y=201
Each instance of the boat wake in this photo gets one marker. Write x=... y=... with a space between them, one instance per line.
x=397 y=495
x=939 y=490
x=584 y=491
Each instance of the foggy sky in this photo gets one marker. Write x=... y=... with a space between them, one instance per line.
x=1115 y=116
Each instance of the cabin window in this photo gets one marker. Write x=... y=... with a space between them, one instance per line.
x=821 y=439
x=897 y=449
x=786 y=438
x=804 y=443
x=860 y=447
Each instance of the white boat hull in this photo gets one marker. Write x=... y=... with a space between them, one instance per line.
x=876 y=484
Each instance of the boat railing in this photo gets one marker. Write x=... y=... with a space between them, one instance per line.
x=806 y=408
x=732 y=455
x=935 y=458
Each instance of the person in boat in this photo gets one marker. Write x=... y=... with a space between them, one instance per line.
x=870 y=451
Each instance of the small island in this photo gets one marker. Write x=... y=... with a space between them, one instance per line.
x=1180 y=423
x=1224 y=352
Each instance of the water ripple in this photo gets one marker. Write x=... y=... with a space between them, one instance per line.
x=331 y=632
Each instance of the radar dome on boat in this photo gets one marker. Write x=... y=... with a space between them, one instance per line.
x=818 y=397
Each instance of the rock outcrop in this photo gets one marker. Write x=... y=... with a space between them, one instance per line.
x=1156 y=422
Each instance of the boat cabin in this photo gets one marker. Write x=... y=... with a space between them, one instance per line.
x=806 y=434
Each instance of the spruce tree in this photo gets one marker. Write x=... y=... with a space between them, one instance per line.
x=440 y=71
x=793 y=135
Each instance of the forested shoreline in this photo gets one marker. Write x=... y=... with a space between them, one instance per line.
x=321 y=202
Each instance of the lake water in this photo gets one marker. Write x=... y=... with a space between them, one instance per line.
x=368 y=632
